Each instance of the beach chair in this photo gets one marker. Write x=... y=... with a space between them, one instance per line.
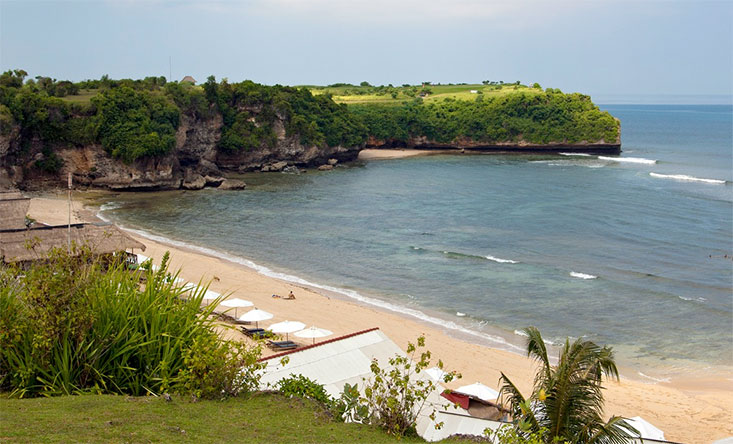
x=282 y=345
x=253 y=332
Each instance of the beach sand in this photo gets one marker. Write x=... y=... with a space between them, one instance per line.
x=691 y=411
x=392 y=153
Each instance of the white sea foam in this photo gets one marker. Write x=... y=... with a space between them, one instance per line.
x=575 y=154
x=520 y=333
x=654 y=379
x=700 y=299
x=497 y=340
x=460 y=315
x=629 y=160
x=575 y=274
x=686 y=178
x=109 y=206
x=500 y=260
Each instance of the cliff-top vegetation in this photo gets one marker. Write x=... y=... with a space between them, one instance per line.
x=133 y=119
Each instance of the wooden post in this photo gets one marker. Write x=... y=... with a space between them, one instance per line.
x=69 y=227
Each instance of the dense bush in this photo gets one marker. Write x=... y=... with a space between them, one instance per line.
x=538 y=118
x=74 y=324
x=302 y=387
x=134 y=124
x=250 y=111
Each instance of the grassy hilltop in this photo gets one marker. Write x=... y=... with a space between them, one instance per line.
x=395 y=95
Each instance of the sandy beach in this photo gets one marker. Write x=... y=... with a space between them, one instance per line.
x=691 y=411
x=375 y=154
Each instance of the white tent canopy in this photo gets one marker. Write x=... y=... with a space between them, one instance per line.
x=235 y=303
x=287 y=327
x=479 y=390
x=313 y=332
x=645 y=428
x=436 y=373
x=256 y=315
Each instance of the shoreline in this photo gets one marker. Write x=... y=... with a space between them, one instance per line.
x=693 y=410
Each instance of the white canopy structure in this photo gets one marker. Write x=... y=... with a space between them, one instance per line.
x=234 y=303
x=256 y=316
x=479 y=390
x=313 y=332
x=645 y=428
x=286 y=327
x=436 y=373
x=348 y=359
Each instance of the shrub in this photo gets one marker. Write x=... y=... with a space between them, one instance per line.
x=220 y=369
x=303 y=387
x=74 y=323
x=396 y=396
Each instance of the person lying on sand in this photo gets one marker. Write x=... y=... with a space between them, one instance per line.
x=289 y=296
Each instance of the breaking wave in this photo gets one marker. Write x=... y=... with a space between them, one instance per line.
x=629 y=160
x=575 y=274
x=686 y=178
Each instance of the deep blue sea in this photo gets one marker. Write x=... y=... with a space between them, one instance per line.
x=633 y=253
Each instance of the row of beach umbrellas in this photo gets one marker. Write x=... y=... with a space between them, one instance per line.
x=256 y=315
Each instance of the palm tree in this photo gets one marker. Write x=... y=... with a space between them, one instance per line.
x=567 y=400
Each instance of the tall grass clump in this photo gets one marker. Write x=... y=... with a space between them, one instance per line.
x=77 y=324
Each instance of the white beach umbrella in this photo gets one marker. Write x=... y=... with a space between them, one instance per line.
x=479 y=390
x=234 y=303
x=210 y=295
x=287 y=327
x=256 y=316
x=313 y=332
x=436 y=373
x=646 y=430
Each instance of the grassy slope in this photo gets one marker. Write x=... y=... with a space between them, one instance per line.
x=439 y=92
x=84 y=96
x=269 y=418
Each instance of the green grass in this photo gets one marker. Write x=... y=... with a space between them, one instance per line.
x=266 y=417
x=368 y=94
x=84 y=96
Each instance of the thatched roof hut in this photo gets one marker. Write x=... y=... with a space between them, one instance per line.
x=188 y=79
x=27 y=245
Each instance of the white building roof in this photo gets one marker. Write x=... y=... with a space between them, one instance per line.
x=347 y=359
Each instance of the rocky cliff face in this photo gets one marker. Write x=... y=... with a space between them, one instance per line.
x=423 y=143
x=194 y=163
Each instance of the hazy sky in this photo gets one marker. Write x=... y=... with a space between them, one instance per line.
x=600 y=47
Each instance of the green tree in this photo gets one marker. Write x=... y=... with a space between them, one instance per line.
x=567 y=399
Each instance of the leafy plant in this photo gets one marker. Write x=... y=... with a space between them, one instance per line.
x=74 y=323
x=396 y=395
x=349 y=407
x=567 y=399
x=302 y=387
x=215 y=369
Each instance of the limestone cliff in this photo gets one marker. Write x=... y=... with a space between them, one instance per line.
x=194 y=163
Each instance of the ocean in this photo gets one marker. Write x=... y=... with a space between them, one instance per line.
x=634 y=252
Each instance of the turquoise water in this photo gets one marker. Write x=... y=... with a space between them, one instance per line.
x=577 y=246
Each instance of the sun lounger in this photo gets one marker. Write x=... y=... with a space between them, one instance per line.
x=282 y=345
x=253 y=332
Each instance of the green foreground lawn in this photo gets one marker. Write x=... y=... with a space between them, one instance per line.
x=263 y=418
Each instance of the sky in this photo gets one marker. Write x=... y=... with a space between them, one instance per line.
x=609 y=49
